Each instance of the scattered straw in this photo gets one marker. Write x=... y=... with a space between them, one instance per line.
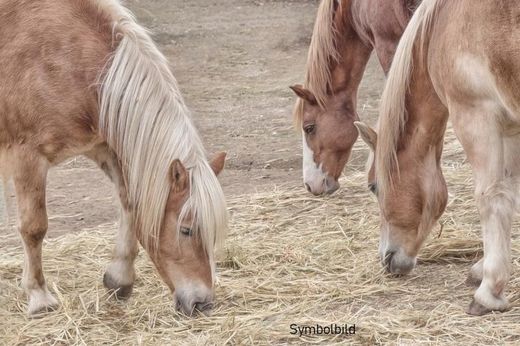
x=290 y=258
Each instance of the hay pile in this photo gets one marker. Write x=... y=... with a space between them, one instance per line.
x=290 y=258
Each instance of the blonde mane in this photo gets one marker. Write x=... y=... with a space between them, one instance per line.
x=144 y=119
x=392 y=113
x=322 y=51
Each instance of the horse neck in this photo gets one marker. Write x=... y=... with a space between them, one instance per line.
x=426 y=117
x=380 y=24
x=353 y=53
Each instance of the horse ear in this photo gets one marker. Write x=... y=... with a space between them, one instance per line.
x=218 y=161
x=303 y=93
x=368 y=135
x=178 y=176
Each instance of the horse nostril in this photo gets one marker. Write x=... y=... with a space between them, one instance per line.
x=331 y=185
x=178 y=305
x=388 y=260
x=307 y=187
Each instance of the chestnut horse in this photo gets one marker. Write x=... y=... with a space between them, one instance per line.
x=468 y=70
x=81 y=77
x=345 y=33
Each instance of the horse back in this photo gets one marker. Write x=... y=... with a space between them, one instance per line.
x=51 y=55
x=477 y=59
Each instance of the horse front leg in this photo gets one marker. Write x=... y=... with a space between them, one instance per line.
x=120 y=273
x=476 y=274
x=495 y=193
x=29 y=177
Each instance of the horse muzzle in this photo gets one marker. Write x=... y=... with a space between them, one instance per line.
x=397 y=262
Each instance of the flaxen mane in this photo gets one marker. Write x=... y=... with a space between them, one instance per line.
x=392 y=114
x=322 y=52
x=145 y=120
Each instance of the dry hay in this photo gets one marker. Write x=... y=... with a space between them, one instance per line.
x=290 y=258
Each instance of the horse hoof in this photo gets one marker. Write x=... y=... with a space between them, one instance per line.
x=473 y=281
x=477 y=309
x=41 y=303
x=121 y=292
x=42 y=311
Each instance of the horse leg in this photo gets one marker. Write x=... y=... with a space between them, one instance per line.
x=29 y=178
x=495 y=195
x=120 y=273
x=385 y=51
x=512 y=170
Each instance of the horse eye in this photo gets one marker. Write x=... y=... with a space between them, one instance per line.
x=309 y=129
x=186 y=231
x=373 y=188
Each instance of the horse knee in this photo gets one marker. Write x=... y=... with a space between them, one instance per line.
x=33 y=228
x=498 y=198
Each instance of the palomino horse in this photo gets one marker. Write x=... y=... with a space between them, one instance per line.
x=452 y=62
x=82 y=77
x=345 y=33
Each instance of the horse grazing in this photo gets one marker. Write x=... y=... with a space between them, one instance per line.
x=468 y=70
x=345 y=33
x=81 y=77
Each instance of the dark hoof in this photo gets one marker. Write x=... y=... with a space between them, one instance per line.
x=122 y=292
x=477 y=309
x=472 y=281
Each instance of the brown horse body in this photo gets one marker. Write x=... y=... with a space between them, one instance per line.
x=67 y=65
x=467 y=70
x=345 y=34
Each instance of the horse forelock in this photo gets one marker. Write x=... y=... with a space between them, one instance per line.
x=393 y=112
x=322 y=53
x=144 y=119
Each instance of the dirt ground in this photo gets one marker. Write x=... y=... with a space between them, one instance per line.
x=234 y=60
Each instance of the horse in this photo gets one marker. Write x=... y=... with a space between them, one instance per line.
x=345 y=34
x=457 y=60
x=82 y=77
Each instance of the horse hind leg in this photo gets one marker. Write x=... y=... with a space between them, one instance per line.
x=30 y=181
x=120 y=273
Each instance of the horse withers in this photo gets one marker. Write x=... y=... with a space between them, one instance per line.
x=345 y=33
x=81 y=77
x=467 y=70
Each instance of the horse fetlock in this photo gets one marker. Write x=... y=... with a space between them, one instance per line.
x=475 y=274
x=473 y=280
x=41 y=301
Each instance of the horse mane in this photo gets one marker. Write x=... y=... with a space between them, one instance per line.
x=392 y=113
x=144 y=119
x=322 y=51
